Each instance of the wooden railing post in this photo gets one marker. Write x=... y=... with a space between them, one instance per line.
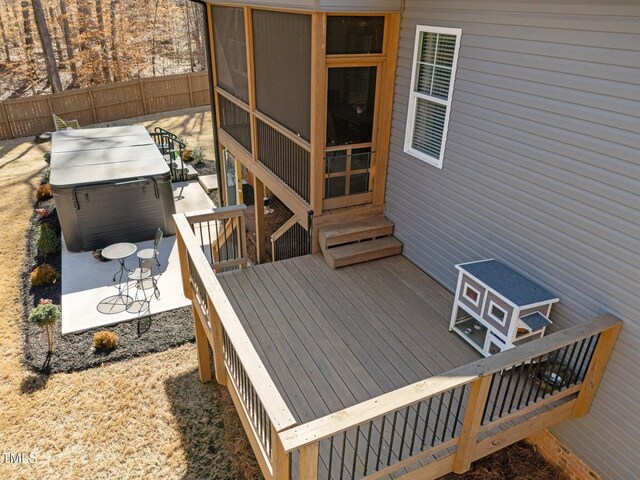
x=202 y=346
x=309 y=462
x=184 y=265
x=599 y=362
x=279 y=458
x=471 y=426
x=217 y=347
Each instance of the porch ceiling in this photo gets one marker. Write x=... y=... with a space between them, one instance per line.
x=333 y=338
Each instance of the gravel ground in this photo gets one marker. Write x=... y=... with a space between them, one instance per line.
x=154 y=333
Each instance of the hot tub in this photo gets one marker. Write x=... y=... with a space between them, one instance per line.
x=110 y=185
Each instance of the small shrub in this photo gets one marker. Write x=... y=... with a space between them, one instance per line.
x=105 y=340
x=197 y=154
x=44 y=274
x=48 y=241
x=44 y=192
x=47 y=157
x=46 y=174
x=42 y=213
x=46 y=315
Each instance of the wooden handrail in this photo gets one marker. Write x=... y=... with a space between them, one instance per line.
x=275 y=406
x=220 y=213
x=317 y=430
x=285 y=226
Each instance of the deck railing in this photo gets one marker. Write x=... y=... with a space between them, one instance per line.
x=237 y=365
x=292 y=239
x=461 y=415
x=288 y=157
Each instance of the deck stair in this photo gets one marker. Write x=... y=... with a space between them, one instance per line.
x=358 y=242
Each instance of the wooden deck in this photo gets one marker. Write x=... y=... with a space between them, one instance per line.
x=352 y=373
x=333 y=338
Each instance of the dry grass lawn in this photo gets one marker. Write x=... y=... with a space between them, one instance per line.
x=145 y=418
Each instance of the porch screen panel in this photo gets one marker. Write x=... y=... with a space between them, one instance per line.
x=231 y=51
x=282 y=59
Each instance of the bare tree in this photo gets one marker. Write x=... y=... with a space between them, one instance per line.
x=66 y=28
x=5 y=40
x=153 y=39
x=104 y=52
x=191 y=61
x=56 y=35
x=113 y=10
x=47 y=49
x=28 y=45
x=198 y=27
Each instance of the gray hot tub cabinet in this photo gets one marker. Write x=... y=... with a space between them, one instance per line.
x=110 y=185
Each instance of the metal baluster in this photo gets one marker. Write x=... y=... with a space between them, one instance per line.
x=344 y=444
x=415 y=429
x=486 y=404
x=393 y=436
x=384 y=420
x=426 y=424
x=575 y=372
x=366 y=455
x=404 y=431
x=506 y=393
x=535 y=378
x=446 y=423
x=460 y=399
x=330 y=466
x=355 y=453
x=590 y=350
x=497 y=395
x=435 y=428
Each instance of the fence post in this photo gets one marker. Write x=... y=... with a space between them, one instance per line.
x=217 y=347
x=190 y=89
x=309 y=462
x=145 y=110
x=53 y=125
x=598 y=364
x=478 y=397
x=6 y=114
x=279 y=458
x=93 y=107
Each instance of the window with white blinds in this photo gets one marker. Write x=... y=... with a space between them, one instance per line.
x=433 y=73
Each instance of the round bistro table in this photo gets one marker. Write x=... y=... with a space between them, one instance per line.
x=120 y=251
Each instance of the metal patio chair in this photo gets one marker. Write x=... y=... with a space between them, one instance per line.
x=152 y=253
x=140 y=278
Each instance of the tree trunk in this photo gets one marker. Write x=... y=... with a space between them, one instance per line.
x=153 y=40
x=47 y=49
x=104 y=52
x=28 y=46
x=189 y=36
x=5 y=41
x=56 y=35
x=113 y=10
x=198 y=11
x=66 y=28
x=49 y=329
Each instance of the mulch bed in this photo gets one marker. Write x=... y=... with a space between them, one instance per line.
x=520 y=461
x=149 y=334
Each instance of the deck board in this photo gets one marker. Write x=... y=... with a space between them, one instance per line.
x=334 y=338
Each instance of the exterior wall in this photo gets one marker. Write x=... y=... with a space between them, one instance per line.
x=541 y=171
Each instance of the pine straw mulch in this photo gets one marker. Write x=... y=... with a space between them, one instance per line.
x=520 y=461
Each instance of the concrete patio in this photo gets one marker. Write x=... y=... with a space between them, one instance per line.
x=87 y=283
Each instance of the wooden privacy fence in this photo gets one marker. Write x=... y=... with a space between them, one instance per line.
x=114 y=101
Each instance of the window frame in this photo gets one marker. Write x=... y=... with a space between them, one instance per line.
x=414 y=96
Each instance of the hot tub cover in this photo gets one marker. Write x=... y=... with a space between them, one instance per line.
x=102 y=155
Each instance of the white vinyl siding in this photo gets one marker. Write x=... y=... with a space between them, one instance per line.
x=434 y=65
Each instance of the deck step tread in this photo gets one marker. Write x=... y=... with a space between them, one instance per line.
x=209 y=182
x=361 y=230
x=362 y=251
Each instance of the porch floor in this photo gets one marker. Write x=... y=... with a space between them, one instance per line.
x=333 y=338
